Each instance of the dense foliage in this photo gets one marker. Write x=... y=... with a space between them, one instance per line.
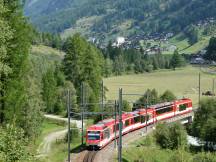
x=151 y=97
x=119 y=61
x=177 y=60
x=204 y=125
x=167 y=96
x=172 y=136
x=20 y=98
x=211 y=50
x=13 y=145
x=54 y=90
x=83 y=64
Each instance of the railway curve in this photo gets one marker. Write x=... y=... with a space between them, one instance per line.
x=108 y=153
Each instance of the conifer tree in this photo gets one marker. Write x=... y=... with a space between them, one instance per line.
x=20 y=98
x=83 y=63
x=177 y=60
x=49 y=90
x=5 y=69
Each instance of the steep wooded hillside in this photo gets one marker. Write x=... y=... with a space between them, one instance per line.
x=109 y=17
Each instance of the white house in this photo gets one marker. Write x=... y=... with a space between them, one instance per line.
x=120 y=41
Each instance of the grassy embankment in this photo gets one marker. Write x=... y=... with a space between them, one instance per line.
x=146 y=150
x=183 y=45
x=182 y=82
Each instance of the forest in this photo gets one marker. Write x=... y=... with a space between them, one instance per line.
x=149 y=16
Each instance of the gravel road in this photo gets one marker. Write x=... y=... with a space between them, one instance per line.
x=45 y=146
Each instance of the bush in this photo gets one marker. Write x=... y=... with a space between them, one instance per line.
x=13 y=145
x=171 y=136
x=167 y=96
x=204 y=125
x=203 y=157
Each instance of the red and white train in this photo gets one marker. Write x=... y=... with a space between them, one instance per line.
x=102 y=133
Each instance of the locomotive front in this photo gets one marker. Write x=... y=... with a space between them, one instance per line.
x=93 y=137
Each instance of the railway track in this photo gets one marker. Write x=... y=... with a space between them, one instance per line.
x=90 y=155
x=107 y=153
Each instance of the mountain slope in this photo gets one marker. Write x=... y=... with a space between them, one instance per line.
x=112 y=15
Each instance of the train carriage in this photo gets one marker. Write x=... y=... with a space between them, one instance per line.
x=102 y=133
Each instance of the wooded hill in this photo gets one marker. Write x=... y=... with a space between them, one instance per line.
x=117 y=16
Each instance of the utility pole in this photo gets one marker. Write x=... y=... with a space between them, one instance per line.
x=82 y=113
x=199 y=88
x=115 y=122
x=120 y=126
x=102 y=99
x=68 y=110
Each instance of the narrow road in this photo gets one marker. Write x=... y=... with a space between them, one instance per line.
x=45 y=146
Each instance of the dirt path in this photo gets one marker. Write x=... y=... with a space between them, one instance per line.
x=45 y=146
x=55 y=117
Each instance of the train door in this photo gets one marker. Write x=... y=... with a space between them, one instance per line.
x=142 y=119
x=149 y=117
x=145 y=118
x=136 y=119
x=127 y=123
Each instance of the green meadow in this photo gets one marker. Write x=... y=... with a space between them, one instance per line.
x=182 y=82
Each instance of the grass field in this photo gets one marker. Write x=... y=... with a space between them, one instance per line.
x=48 y=127
x=146 y=150
x=182 y=82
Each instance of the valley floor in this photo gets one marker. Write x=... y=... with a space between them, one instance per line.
x=182 y=82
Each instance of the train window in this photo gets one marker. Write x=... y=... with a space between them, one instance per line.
x=164 y=110
x=127 y=123
x=93 y=135
x=143 y=119
x=182 y=107
x=106 y=133
x=148 y=117
x=137 y=119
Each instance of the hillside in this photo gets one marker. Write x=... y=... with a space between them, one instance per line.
x=110 y=17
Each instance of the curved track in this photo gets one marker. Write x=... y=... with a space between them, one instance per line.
x=89 y=157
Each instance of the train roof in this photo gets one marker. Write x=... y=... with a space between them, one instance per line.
x=166 y=104
x=184 y=100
